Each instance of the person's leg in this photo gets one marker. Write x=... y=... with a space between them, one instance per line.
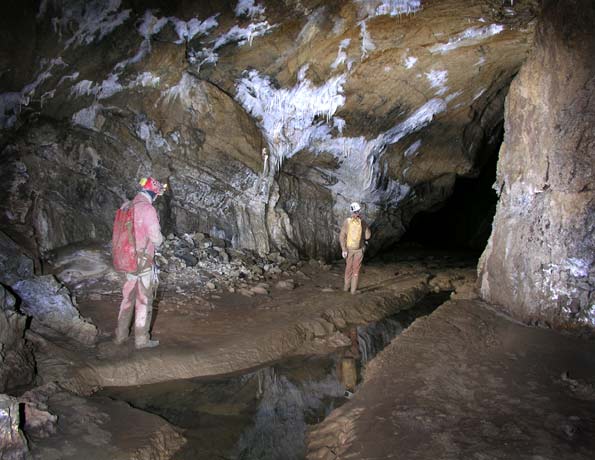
x=358 y=256
x=348 y=270
x=144 y=311
x=126 y=310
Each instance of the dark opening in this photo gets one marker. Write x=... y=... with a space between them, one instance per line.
x=464 y=221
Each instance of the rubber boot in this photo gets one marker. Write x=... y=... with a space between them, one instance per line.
x=120 y=339
x=142 y=336
x=148 y=343
x=123 y=327
x=354 y=280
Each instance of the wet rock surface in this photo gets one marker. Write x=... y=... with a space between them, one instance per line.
x=200 y=333
x=97 y=428
x=312 y=318
x=261 y=413
x=204 y=341
x=464 y=382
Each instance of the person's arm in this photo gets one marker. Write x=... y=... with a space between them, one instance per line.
x=154 y=228
x=343 y=237
x=368 y=233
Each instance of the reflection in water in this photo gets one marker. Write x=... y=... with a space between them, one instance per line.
x=264 y=414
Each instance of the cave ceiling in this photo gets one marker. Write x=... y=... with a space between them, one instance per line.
x=383 y=102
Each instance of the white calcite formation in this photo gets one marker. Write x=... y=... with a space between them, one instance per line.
x=355 y=101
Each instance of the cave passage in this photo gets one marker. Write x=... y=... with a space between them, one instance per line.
x=464 y=221
x=458 y=128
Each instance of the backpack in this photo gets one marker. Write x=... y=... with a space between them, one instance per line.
x=123 y=240
x=354 y=233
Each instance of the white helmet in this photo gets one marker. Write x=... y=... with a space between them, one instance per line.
x=354 y=207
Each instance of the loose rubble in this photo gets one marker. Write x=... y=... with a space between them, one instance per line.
x=198 y=262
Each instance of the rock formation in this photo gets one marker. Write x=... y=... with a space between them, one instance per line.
x=355 y=101
x=540 y=261
x=13 y=445
x=41 y=297
x=16 y=356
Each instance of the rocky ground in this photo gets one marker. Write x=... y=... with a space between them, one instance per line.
x=284 y=308
x=218 y=317
x=529 y=390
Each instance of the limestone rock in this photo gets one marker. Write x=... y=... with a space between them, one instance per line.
x=39 y=422
x=50 y=304
x=260 y=290
x=13 y=445
x=190 y=260
x=246 y=292
x=14 y=264
x=211 y=286
x=17 y=365
x=7 y=300
x=539 y=264
x=72 y=265
x=288 y=285
x=353 y=103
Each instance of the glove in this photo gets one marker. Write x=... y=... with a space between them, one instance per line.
x=344 y=254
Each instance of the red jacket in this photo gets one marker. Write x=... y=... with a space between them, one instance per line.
x=147 y=230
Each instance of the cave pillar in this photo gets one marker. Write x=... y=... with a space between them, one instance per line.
x=539 y=262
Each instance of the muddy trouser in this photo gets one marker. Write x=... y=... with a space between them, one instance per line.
x=138 y=292
x=354 y=263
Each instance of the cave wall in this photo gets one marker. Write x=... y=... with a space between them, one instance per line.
x=539 y=263
x=380 y=102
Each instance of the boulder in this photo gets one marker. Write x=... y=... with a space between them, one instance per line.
x=260 y=290
x=49 y=303
x=246 y=292
x=288 y=285
x=94 y=427
x=72 y=265
x=189 y=259
x=39 y=422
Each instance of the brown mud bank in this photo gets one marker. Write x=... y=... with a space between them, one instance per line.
x=212 y=336
x=466 y=382
x=232 y=332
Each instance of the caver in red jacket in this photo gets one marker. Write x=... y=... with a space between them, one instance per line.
x=138 y=287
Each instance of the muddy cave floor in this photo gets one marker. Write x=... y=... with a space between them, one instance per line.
x=463 y=382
